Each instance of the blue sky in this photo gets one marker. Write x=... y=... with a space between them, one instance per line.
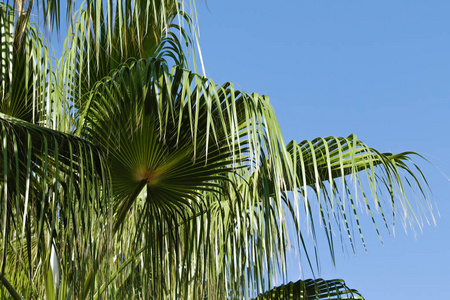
x=378 y=69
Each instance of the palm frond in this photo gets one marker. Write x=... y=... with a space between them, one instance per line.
x=26 y=71
x=312 y=289
x=344 y=173
x=50 y=10
x=54 y=187
x=106 y=35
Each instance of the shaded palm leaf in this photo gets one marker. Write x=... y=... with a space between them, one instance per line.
x=312 y=289
x=53 y=187
x=25 y=70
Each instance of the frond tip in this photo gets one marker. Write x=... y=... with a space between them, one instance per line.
x=311 y=289
x=344 y=174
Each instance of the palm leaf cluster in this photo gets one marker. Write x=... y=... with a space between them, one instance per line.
x=124 y=174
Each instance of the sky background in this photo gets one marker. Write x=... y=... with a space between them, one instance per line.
x=378 y=69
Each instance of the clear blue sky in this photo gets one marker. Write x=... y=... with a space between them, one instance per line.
x=378 y=69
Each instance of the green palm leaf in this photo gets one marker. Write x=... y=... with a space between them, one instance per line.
x=52 y=186
x=312 y=289
x=25 y=70
x=340 y=172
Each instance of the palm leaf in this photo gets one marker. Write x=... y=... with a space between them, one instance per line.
x=25 y=70
x=53 y=186
x=312 y=290
x=106 y=35
x=347 y=167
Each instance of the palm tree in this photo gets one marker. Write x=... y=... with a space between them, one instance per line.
x=125 y=174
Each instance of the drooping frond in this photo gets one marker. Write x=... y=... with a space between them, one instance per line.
x=25 y=70
x=54 y=194
x=343 y=174
x=106 y=35
x=50 y=10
